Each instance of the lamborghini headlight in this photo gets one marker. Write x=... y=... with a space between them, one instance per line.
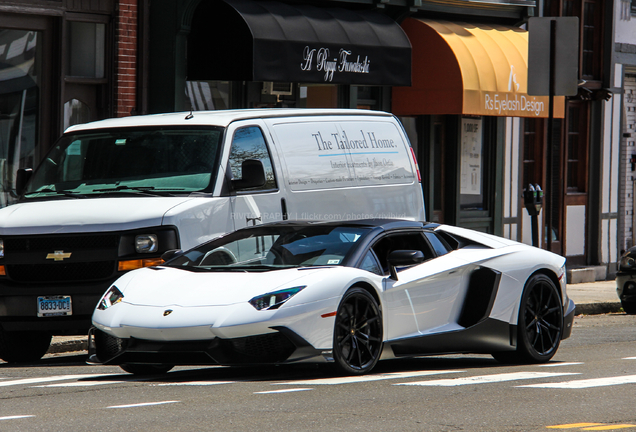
x=112 y=297
x=275 y=299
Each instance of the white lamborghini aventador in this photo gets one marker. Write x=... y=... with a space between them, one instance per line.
x=350 y=293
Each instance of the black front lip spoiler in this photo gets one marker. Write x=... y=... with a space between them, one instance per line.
x=282 y=346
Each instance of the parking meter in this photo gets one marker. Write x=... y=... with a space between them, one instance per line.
x=533 y=201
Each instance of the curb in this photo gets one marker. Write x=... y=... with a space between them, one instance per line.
x=65 y=346
x=598 y=308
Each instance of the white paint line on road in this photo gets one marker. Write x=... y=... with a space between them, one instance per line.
x=26 y=381
x=283 y=391
x=195 y=383
x=561 y=364
x=15 y=417
x=629 y=358
x=367 y=378
x=143 y=404
x=487 y=379
x=587 y=383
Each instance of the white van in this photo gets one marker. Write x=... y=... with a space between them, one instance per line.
x=114 y=195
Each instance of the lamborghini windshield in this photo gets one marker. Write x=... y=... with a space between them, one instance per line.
x=138 y=161
x=272 y=247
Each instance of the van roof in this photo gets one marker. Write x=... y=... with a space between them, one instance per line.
x=216 y=118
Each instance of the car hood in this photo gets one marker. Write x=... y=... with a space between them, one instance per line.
x=165 y=286
x=80 y=215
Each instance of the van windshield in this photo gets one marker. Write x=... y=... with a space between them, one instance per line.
x=139 y=161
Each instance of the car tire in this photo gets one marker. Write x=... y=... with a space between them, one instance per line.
x=629 y=307
x=358 y=334
x=23 y=347
x=146 y=369
x=540 y=323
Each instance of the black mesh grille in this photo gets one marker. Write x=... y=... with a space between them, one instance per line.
x=50 y=243
x=106 y=346
x=272 y=347
x=61 y=272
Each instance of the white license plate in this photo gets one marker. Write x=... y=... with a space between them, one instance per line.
x=54 y=306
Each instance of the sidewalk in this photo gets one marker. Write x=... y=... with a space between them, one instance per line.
x=590 y=298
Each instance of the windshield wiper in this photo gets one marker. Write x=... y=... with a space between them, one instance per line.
x=60 y=192
x=150 y=190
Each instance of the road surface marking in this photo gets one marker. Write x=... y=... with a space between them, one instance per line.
x=367 y=378
x=609 y=427
x=80 y=384
x=283 y=391
x=15 y=417
x=487 y=379
x=561 y=364
x=587 y=383
x=24 y=381
x=143 y=404
x=573 y=425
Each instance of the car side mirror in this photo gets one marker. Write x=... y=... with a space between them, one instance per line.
x=404 y=258
x=253 y=175
x=172 y=253
x=22 y=177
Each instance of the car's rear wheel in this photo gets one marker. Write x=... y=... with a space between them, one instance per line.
x=629 y=307
x=357 y=339
x=540 y=324
x=23 y=347
x=146 y=369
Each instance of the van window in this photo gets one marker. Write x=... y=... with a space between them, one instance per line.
x=249 y=143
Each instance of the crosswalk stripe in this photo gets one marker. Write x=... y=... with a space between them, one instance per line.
x=367 y=378
x=24 y=381
x=487 y=379
x=283 y=391
x=561 y=364
x=79 y=384
x=195 y=383
x=15 y=417
x=145 y=404
x=587 y=383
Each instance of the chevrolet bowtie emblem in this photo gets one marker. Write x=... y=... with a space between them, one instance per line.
x=167 y=312
x=58 y=255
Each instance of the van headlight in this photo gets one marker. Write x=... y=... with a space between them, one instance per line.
x=111 y=298
x=146 y=243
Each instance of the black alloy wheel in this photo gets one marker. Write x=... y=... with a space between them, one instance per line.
x=540 y=325
x=357 y=338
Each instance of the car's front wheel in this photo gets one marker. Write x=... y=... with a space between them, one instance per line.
x=146 y=369
x=22 y=347
x=540 y=324
x=357 y=338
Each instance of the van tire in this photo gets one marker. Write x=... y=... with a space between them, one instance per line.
x=23 y=347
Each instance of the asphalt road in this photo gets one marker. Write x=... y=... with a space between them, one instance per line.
x=590 y=385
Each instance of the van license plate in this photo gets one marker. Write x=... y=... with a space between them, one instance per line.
x=54 y=306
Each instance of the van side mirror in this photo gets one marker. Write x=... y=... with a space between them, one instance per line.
x=22 y=177
x=253 y=175
x=404 y=258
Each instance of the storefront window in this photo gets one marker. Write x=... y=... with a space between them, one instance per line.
x=471 y=186
x=87 y=49
x=208 y=95
x=19 y=105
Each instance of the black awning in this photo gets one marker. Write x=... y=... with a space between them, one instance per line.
x=253 y=40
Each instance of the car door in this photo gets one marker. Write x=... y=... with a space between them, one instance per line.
x=260 y=204
x=425 y=297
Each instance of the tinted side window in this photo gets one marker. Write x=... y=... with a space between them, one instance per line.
x=410 y=241
x=370 y=263
x=249 y=143
x=438 y=244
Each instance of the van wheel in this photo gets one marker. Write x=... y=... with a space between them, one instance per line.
x=540 y=323
x=23 y=347
x=146 y=369
x=357 y=336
